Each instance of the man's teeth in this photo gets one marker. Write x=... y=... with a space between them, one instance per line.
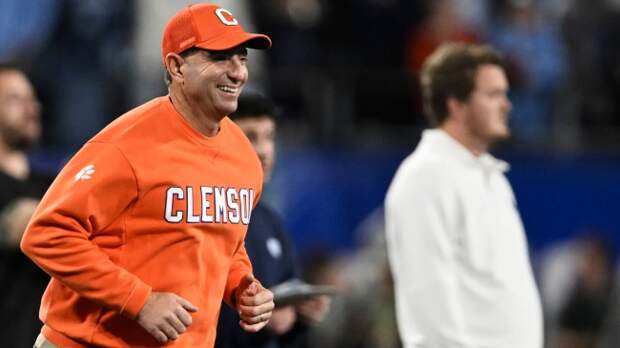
x=227 y=89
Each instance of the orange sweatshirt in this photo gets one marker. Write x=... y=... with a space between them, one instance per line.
x=148 y=204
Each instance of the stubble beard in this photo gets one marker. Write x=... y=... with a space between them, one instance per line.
x=18 y=141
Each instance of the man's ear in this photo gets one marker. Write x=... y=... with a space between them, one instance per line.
x=173 y=65
x=455 y=107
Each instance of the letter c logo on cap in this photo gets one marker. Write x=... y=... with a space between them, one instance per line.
x=220 y=14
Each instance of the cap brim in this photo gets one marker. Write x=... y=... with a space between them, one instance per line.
x=234 y=39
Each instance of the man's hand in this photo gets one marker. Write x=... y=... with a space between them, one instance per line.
x=314 y=310
x=165 y=315
x=282 y=320
x=254 y=304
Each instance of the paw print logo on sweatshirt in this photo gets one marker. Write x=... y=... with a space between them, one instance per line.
x=85 y=173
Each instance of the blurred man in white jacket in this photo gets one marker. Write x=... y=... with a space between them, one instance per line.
x=456 y=243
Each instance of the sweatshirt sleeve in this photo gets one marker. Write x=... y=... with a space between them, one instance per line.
x=240 y=266
x=93 y=190
x=422 y=239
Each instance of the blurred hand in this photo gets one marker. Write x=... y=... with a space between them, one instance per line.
x=254 y=304
x=282 y=320
x=166 y=315
x=15 y=218
x=314 y=310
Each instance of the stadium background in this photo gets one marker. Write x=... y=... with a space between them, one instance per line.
x=344 y=75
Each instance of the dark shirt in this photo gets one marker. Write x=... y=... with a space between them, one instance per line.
x=21 y=282
x=273 y=261
x=21 y=286
x=586 y=310
x=33 y=187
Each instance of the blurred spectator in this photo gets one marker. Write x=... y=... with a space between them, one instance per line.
x=82 y=76
x=536 y=61
x=475 y=13
x=555 y=10
x=340 y=52
x=591 y=29
x=274 y=259
x=442 y=23
x=292 y=24
x=20 y=129
x=294 y=27
x=20 y=189
x=578 y=295
x=558 y=269
x=611 y=334
x=582 y=318
x=148 y=71
x=25 y=27
x=364 y=316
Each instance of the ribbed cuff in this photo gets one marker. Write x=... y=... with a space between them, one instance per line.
x=136 y=300
x=231 y=287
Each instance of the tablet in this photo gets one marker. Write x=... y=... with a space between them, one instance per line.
x=294 y=291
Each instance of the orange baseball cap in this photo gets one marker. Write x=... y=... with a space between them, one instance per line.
x=210 y=27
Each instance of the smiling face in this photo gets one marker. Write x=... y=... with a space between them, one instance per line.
x=20 y=125
x=488 y=106
x=213 y=80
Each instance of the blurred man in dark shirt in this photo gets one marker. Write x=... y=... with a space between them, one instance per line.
x=21 y=187
x=271 y=251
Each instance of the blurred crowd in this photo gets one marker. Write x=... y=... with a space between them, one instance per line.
x=345 y=73
x=339 y=69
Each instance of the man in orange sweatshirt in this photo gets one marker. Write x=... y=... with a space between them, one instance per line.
x=143 y=230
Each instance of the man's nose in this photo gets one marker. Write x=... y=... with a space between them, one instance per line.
x=237 y=71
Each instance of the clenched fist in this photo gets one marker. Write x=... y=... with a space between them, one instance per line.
x=166 y=315
x=254 y=304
